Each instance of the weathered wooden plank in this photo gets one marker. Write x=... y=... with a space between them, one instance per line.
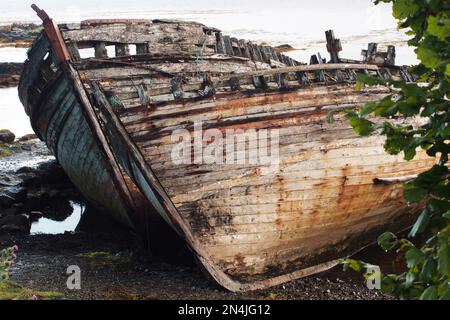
x=236 y=47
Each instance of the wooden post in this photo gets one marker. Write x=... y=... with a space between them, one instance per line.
x=273 y=54
x=142 y=48
x=234 y=84
x=122 y=50
x=333 y=46
x=257 y=53
x=317 y=60
x=390 y=58
x=264 y=53
x=220 y=45
x=74 y=52
x=281 y=81
x=245 y=49
x=370 y=53
x=235 y=47
x=228 y=46
x=177 y=88
x=100 y=50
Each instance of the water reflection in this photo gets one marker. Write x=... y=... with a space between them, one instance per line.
x=12 y=113
x=48 y=226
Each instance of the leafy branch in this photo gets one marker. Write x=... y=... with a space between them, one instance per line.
x=427 y=267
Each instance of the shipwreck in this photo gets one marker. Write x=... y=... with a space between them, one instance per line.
x=109 y=118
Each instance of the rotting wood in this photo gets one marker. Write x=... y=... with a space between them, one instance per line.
x=251 y=226
x=333 y=46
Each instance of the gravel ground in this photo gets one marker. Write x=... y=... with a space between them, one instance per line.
x=114 y=266
x=125 y=273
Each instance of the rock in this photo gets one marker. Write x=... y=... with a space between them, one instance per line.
x=19 y=194
x=15 y=224
x=8 y=179
x=7 y=136
x=57 y=209
x=26 y=147
x=18 y=206
x=52 y=172
x=35 y=215
x=25 y=170
x=28 y=137
x=6 y=201
x=11 y=212
x=47 y=173
x=284 y=48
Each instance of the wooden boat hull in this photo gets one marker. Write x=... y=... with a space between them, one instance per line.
x=261 y=224
x=251 y=225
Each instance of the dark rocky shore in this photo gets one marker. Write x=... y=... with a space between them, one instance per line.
x=18 y=35
x=113 y=263
x=10 y=74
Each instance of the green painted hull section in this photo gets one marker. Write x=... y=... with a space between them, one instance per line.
x=57 y=118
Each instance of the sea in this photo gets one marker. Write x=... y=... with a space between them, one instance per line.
x=299 y=23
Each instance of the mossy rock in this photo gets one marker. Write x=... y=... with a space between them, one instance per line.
x=104 y=258
x=5 y=151
x=13 y=291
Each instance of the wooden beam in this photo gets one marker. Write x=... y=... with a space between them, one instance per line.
x=304 y=68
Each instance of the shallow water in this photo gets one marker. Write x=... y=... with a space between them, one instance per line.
x=12 y=113
x=48 y=226
x=10 y=54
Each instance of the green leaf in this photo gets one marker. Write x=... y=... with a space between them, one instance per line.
x=430 y=293
x=366 y=109
x=428 y=270
x=362 y=126
x=429 y=57
x=445 y=295
x=447 y=70
x=413 y=193
x=388 y=241
x=403 y=8
x=384 y=107
x=414 y=257
x=352 y=264
x=446 y=215
x=420 y=225
x=330 y=116
x=439 y=26
x=444 y=259
x=388 y=284
x=369 y=80
x=410 y=153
